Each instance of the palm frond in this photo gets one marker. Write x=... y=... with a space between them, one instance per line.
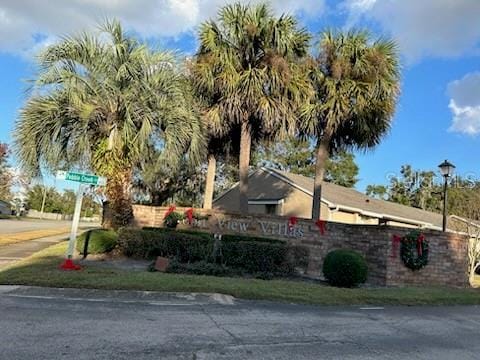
x=100 y=99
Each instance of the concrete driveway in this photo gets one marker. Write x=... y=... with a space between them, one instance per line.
x=51 y=324
x=16 y=226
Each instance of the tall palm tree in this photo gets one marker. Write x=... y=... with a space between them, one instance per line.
x=218 y=147
x=247 y=65
x=98 y=102
x=357 y=84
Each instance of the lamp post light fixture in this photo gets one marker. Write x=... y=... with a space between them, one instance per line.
x=446 y=169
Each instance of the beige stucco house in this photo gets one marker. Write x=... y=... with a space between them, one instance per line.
x=276 y=192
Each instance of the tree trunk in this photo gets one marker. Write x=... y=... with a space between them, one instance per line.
x=473 y=275
x=119 y=199
x=323 y=153
x=244 y=163
x=210 y=182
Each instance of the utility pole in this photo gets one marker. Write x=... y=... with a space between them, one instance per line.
x=43 y=200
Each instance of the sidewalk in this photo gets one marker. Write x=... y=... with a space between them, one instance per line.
x=14 y=252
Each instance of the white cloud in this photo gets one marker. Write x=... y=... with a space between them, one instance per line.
x=23 y=22
x=465 y=104
x=423 y=28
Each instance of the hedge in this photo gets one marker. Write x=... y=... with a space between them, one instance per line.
x=202 y=234
x=200 y=268
x=101 y=241
x=147 y=244
x=253 y=255
x=205 y=235
x=237 y=238
x=256 y=256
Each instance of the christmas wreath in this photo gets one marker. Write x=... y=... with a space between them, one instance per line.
x=414 y=250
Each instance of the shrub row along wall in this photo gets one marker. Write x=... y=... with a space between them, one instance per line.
x=448 y=260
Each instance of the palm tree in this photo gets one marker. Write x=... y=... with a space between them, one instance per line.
x=98 y=103
x=247 y=66
x=220 y=144
x=356 y=81
x=223 y=147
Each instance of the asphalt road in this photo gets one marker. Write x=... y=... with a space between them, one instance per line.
x=16 y=226
x=52 y=324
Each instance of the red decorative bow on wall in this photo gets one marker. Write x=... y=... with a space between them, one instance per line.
x=170 y=210
x=395 y=244
x=420 y=240
x=189 y=215
x=292 y=222
x=321 y=226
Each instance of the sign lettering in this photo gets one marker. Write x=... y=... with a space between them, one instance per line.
x=268 y=228
x=82 y=178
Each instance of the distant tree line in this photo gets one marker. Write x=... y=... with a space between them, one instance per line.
x=423 y=189
x=60 y=202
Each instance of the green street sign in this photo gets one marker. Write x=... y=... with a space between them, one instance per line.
x=82 y=178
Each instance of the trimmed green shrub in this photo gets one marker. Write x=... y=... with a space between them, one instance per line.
x=225 y=238
x=298 y=256
x=238 y=238
x=212 y=269
x=200 y=268
x=262 y=255
x=101 y=241
x=201 y=234
x=147 y=244
x=345 y=268
x=256 y=256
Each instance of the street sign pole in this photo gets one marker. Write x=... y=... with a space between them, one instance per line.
x=92 y=180
x=75 y=221
x=68 y=263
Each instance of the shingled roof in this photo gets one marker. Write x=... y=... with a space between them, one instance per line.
x=342 y=198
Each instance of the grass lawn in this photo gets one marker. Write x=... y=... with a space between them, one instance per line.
x=41 y=269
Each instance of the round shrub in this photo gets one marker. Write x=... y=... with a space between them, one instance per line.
x=345 y=268
x=101 y=241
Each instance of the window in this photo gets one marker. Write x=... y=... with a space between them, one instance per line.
x=271 y=209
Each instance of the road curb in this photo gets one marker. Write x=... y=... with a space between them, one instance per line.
x=156 y=298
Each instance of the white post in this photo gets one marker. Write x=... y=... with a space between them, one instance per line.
x=76 y=218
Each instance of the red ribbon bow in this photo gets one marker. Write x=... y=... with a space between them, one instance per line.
x=321 y=226
x=170 y=210
x=292 y=222
x=189 y=214
x=420 y=240
x=395 y=244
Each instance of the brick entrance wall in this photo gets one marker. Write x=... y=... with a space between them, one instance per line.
x=448 y=260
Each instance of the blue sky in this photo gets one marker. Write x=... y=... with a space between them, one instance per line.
x=438 y=115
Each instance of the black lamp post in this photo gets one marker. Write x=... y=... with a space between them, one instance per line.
x=446 y=169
